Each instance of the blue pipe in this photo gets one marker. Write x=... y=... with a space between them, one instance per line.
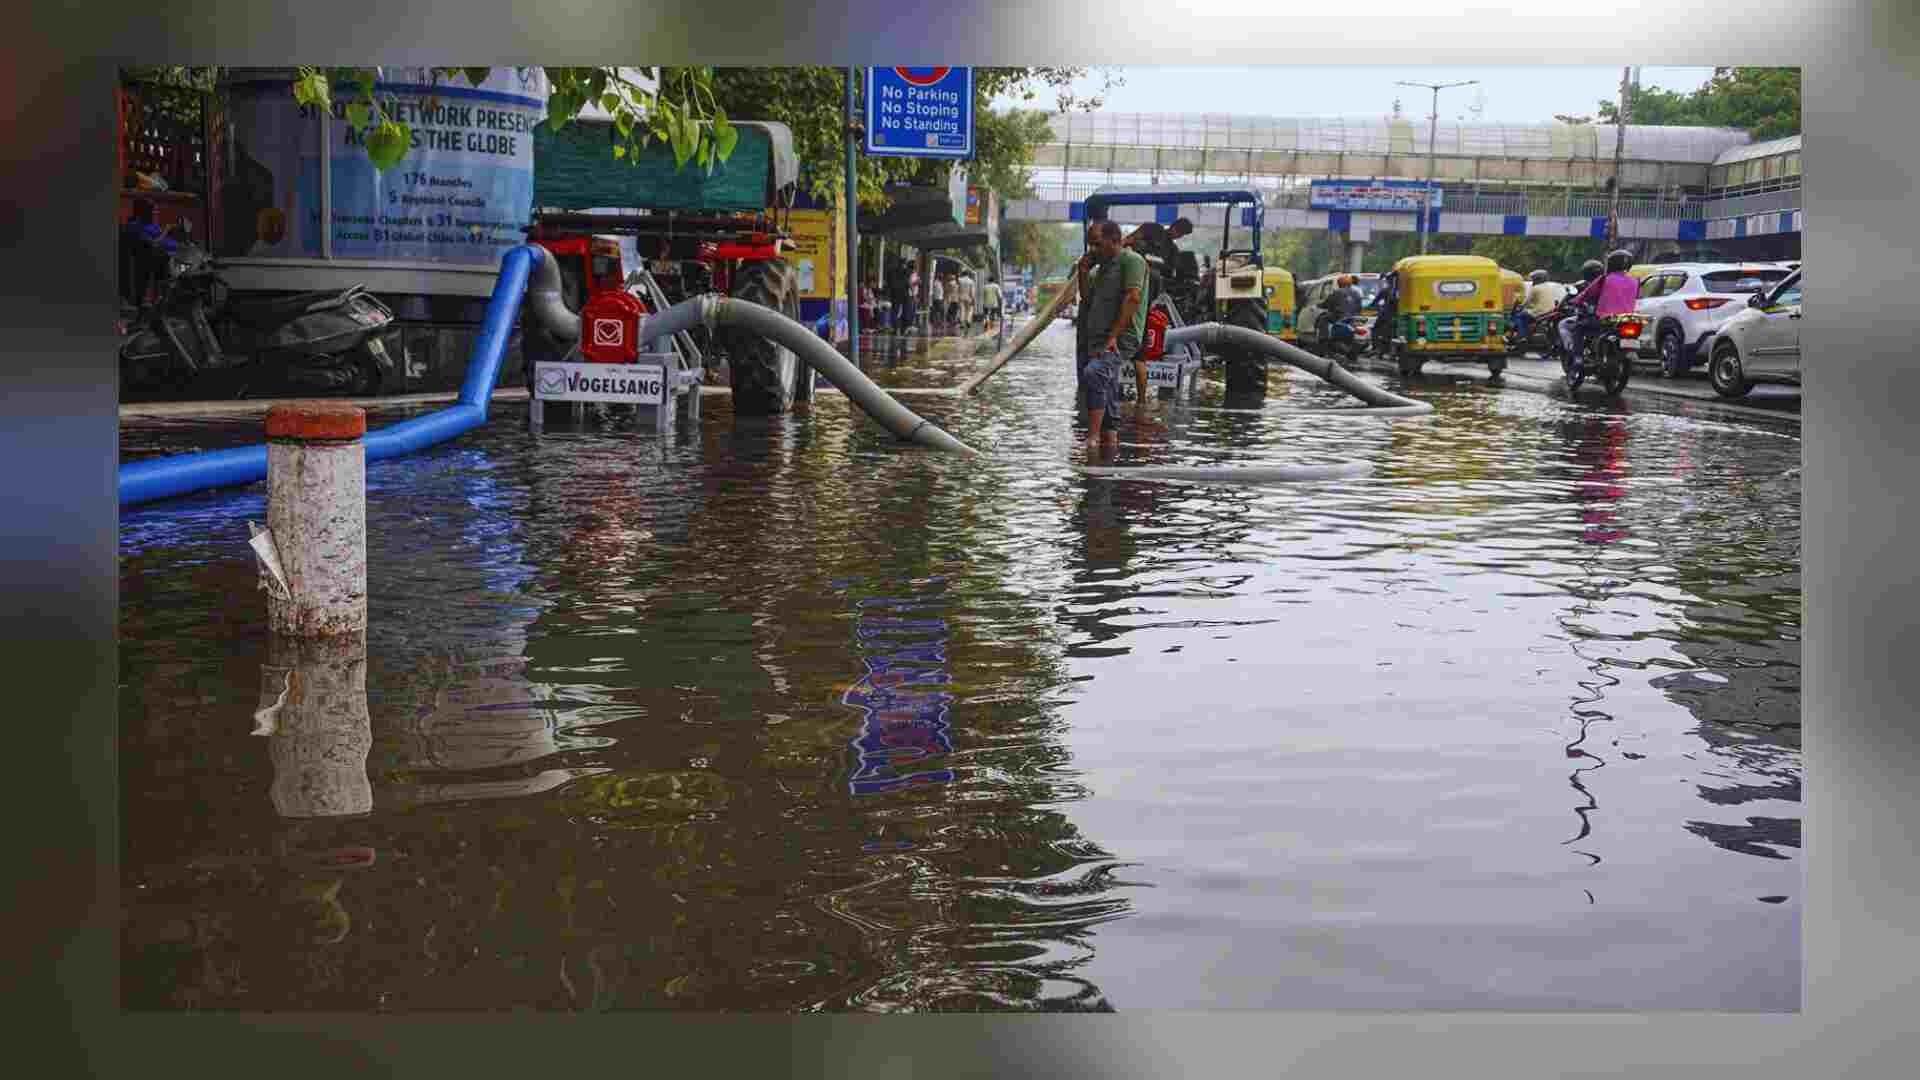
x=184 y=474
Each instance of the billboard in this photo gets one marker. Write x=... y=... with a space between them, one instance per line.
x=1389 y=195
x=462 y=194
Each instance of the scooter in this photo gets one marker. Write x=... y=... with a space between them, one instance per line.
x=308 y=342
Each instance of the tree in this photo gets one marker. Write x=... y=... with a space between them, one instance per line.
x=811 y=101
x=1762 y=101
x=680 y=111
x=1048 y=247
x=1560 y=257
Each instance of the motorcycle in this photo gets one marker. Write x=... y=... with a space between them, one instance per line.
x=1341 y=341
x=317 y=341
x=1538 y=334
x=1607 y=354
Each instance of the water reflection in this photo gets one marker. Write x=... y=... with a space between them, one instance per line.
x=904 y=719
x=1108 y=744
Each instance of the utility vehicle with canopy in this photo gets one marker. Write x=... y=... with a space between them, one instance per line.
x=1230 y=291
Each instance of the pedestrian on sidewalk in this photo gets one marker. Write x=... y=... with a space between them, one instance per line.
x=990 y=303
x=936 y=302
x=968 y=300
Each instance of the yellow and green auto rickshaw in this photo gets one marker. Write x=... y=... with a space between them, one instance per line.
x=1513 y=289
x=1278 y=285
x=1449 y=309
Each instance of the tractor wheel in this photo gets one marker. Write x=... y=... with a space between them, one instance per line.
x=765 y=375
x=1246 y=369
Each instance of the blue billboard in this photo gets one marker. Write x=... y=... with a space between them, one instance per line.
x=920 y=112
x=1405 y=196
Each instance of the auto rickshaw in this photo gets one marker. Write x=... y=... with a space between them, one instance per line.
x=1450 y=309
x=1278 y=285
x=1513 y=288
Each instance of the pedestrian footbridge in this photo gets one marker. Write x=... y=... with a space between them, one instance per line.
x=1678 y=183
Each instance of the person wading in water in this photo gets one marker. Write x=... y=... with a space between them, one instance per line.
x=1112 y=282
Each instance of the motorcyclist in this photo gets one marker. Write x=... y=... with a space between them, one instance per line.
x=1611 y=294
x=1590 y=271
x=1542 y=297
x=1341 y=305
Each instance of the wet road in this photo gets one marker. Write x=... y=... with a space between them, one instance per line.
x=780 y=715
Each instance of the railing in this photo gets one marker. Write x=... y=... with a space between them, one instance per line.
x=1759 y=203
x=1525 y=203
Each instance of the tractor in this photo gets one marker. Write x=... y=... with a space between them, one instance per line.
x=640 y=225
x=1230 y=290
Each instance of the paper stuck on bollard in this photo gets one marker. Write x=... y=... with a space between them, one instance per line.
x=272 y=578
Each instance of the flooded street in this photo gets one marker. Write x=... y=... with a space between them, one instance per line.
x=783 y=715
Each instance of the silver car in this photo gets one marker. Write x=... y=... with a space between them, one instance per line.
x=1761 y=343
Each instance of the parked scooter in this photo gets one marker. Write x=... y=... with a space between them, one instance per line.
x=306 y=343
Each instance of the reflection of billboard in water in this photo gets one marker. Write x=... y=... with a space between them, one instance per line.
x=902 y=696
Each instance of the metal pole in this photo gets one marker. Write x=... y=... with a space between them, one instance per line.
x=1426 y=203
x=853 y=227
x=1433 y=138
x=1619 y=147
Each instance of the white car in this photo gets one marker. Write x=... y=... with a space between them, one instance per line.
x=1687 y=303
x=1761 y=343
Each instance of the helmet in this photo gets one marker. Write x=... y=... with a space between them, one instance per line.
x=1345 y=280
x=1537 y=276
x=1591 y=269
x=1618 y=261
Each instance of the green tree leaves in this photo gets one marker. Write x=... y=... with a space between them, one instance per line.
x=1764 y=101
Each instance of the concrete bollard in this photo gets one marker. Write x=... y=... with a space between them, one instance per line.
x=317 y=515
x=314 y=714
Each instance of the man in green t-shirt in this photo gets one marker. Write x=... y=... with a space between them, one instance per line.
x=1113 y=280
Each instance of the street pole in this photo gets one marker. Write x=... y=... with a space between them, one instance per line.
x=1619 y=147
x=1433 y=137
x=853 y=226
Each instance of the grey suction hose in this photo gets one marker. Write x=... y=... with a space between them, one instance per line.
x=1236 y=474
x=710 y=310
x=1040 y=321
x=545 y=306
x=1379 y=399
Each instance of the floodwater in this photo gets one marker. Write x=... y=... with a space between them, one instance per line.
x=782 y=715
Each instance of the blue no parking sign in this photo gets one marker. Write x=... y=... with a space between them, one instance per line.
x=920 y=112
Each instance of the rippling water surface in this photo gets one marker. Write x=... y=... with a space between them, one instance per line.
x=780 y=715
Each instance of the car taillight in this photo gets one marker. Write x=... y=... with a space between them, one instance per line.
x=1705 y=303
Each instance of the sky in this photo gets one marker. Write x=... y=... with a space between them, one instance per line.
x=1504 y=94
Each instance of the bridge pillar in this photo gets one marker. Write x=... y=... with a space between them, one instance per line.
x=1356 y=253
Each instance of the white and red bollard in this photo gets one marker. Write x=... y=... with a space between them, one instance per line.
x=317 y=518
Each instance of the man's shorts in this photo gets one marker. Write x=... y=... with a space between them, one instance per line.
x=1100 y=379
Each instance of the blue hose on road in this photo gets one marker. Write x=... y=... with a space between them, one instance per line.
x=184 y=474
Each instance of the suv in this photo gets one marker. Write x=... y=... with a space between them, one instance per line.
x=1760 y=343
x=1686 y=304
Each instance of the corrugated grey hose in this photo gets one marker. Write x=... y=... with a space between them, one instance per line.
x=1381 y=401
x=712 y=311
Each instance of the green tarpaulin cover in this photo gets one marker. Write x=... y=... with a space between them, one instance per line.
x=574 y=169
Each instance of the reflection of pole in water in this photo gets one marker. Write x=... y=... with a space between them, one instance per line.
x=905 y=719
x=313 y=710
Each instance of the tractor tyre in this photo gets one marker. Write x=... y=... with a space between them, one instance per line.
x=766 y=375
x=1246 y=369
